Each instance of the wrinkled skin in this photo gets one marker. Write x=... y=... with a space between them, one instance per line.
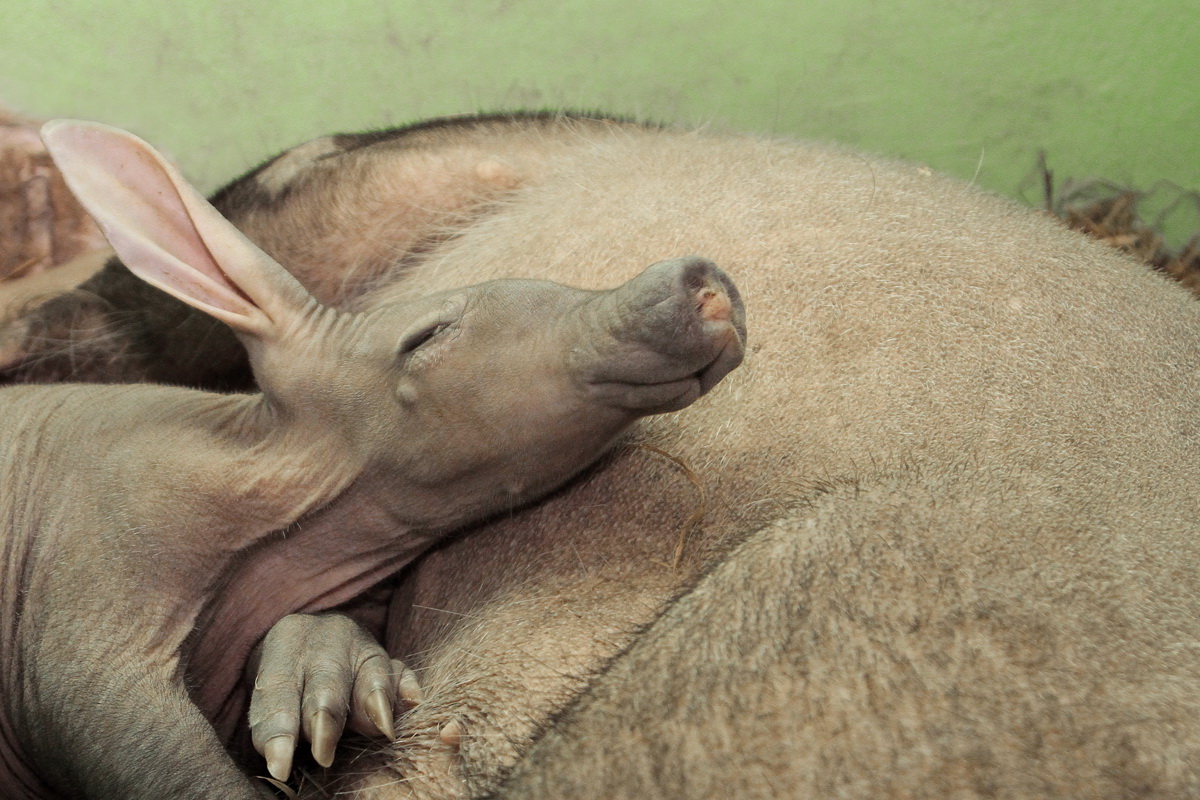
x=115 y=328
x=948 y=539
x=196 y=520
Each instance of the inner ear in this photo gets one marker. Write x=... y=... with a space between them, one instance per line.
x=165 y=231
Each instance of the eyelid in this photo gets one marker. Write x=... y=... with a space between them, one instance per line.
x=422 y=335
x=429 y=326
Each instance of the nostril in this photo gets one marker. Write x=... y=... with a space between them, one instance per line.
x=713 y=305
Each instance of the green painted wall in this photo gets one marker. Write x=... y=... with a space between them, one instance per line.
x=971 y=87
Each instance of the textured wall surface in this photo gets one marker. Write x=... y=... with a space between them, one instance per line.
x=971 y=87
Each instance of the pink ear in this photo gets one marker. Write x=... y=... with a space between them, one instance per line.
x=165 y=231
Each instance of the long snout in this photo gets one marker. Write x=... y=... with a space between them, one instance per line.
x=667 y=337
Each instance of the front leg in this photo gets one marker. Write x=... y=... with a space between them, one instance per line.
x=116 y=728
x=314 y=673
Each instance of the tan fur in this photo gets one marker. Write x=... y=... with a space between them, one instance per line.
x=154 y=534
x=958 y=456
x=378 y=205
x=950 y=547
x=338 y=211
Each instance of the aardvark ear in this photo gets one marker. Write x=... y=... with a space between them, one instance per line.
x=167 y=233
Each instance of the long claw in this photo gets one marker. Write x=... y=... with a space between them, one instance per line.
x=379 y=709
x=278 y=753
x=324 y=734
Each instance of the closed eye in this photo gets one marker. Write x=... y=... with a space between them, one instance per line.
x=421 y=337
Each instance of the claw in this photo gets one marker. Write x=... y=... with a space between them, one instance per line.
x=410 y=687
x=324 y=735
x=278 y=753
x=452 y=733
x=379 y=709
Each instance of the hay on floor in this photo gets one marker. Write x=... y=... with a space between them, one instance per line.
x=1112 y=214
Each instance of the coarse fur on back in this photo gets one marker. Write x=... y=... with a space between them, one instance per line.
x=153 y=534
x=950 y=541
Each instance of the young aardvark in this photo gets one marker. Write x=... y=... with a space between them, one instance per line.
x=152 y=534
